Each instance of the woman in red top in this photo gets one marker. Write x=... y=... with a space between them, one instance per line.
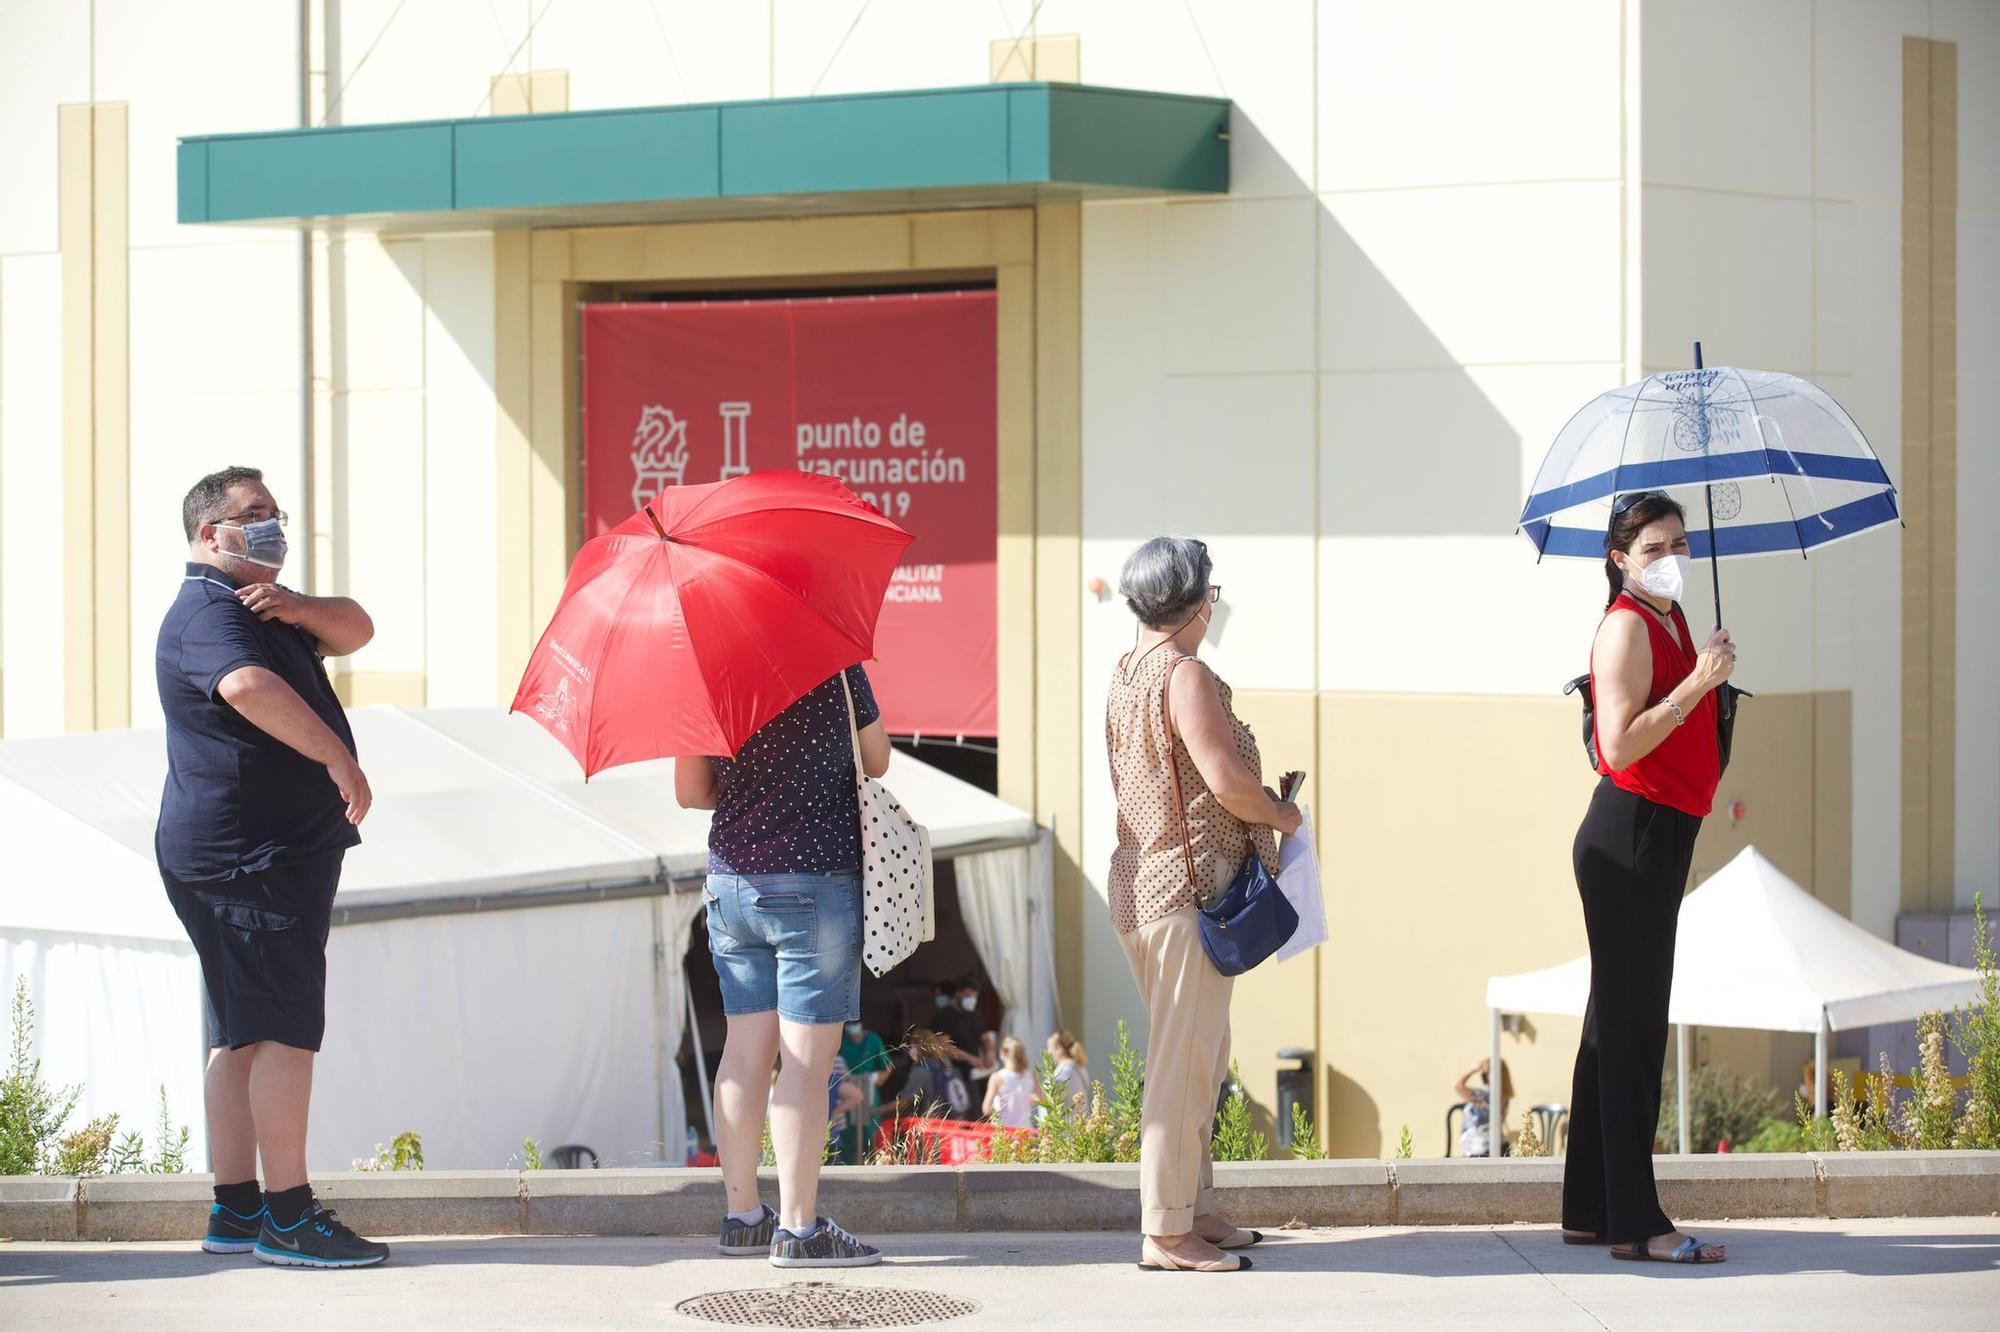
x=1657 y=751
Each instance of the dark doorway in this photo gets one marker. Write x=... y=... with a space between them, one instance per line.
x=890 y=1005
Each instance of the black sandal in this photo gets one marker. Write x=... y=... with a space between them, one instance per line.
x=1689 y=1250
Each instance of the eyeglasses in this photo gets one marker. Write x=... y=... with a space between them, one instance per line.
x=1632 y=499
x=1214 y=593
x=284 y=519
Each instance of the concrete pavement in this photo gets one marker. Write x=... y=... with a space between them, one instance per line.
x=1809 y=1274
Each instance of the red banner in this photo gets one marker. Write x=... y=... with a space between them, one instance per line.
x=891 y=395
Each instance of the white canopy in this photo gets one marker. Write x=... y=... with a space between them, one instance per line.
x=1756 y=950
x=475 y=1032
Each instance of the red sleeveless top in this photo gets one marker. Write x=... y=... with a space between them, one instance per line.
x=1683 y=771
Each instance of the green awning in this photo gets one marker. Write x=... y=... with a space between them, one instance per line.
x=952 y=147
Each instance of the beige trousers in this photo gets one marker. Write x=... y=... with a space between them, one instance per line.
x=1187 y=1057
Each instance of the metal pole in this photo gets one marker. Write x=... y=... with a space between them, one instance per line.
x=1496 y=1094
x=1708 y=493
x=660 y=1052
x=303 y=569
x=1681 y=1084
x=1819 y=1068
x=700 y=1059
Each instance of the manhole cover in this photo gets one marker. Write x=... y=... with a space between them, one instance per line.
x=823 y=1304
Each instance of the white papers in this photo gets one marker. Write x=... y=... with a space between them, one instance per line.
x=1298 y=880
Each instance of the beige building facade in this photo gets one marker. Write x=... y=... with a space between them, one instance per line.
x=1447 y=225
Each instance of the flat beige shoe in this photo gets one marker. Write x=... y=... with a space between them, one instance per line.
x=1152 y=1258
x=1239 y=1239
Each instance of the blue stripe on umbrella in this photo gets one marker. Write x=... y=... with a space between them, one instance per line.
x=1715 y=468
x=1749 y=539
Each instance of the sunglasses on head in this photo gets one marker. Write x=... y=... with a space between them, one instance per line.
x=1627 y=502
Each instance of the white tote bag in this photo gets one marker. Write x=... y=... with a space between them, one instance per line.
x=898 y=885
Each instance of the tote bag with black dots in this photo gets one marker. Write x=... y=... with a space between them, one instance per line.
x=897 y=883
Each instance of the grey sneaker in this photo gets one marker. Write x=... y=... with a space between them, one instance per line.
x=828 y=1246
x=748 y=1241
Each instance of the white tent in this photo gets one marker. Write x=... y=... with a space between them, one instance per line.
x=1756 y=950
x=506 y=958
x=110 y=973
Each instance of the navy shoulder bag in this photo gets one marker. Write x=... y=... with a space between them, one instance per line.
x=1251 y=918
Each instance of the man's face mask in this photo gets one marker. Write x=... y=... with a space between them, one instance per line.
x=263 y=542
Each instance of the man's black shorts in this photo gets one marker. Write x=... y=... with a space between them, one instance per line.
x=262 y=942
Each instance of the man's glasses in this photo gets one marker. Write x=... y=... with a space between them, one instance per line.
x=1214 y=593
x=284 y=519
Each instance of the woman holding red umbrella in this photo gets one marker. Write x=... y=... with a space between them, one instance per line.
x=784 y=927
x=726 y=620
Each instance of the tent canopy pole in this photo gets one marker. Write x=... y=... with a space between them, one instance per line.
x=1681 y=1085
x=1496 y=1093
x=1819 y=1068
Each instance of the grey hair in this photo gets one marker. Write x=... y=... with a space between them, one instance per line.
x=1165 y=580
x=209 y=499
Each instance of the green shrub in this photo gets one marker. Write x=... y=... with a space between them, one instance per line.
x=1128 y=1093
x=1405 y=1147
x=1976 y=1032
x=1722 y=1107
x=32 y=1114
x=1773 y=1135
x=1815 y=1132
x=1235 y=1139
x=406 y=1152
x=1305 y=1136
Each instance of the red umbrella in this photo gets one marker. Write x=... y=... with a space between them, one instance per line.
x=707 y=613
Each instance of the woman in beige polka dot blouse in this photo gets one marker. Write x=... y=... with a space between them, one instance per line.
x=1167 y=707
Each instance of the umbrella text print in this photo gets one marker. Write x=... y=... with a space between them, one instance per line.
x=1702 y=420
x=556 y=707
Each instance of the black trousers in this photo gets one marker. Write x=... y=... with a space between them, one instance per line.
x=1632 y=858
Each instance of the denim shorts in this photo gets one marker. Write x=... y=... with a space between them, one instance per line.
x=787 y=941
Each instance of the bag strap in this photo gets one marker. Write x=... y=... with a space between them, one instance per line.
x=1174 y=771
x=853 y=726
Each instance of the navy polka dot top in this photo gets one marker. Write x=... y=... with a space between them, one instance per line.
x=786 y=803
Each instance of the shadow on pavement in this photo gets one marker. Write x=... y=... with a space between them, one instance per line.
x=1753 y=1251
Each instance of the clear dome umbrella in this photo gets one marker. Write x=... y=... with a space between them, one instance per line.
x=1778 y=465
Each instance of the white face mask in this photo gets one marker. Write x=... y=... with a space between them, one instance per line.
x=1666 y=576
x=970 y=1003
x=263 y=542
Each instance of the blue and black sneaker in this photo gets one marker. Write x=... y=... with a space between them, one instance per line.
x=316 y=1239
x=749 y=1239
x=823 y=1244
x=229 y=1231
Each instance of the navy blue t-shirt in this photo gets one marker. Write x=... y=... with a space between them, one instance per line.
x=238 y=801
x=786 y=804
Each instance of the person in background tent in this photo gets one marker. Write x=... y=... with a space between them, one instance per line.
x=1475 y=1137
x=1013 y=1089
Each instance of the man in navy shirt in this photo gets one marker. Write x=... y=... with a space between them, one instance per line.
x=263 y=797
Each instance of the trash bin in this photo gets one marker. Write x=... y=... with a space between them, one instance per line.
x=1295 y=1087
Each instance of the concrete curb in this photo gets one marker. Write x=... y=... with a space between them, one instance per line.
x=890 y=1199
